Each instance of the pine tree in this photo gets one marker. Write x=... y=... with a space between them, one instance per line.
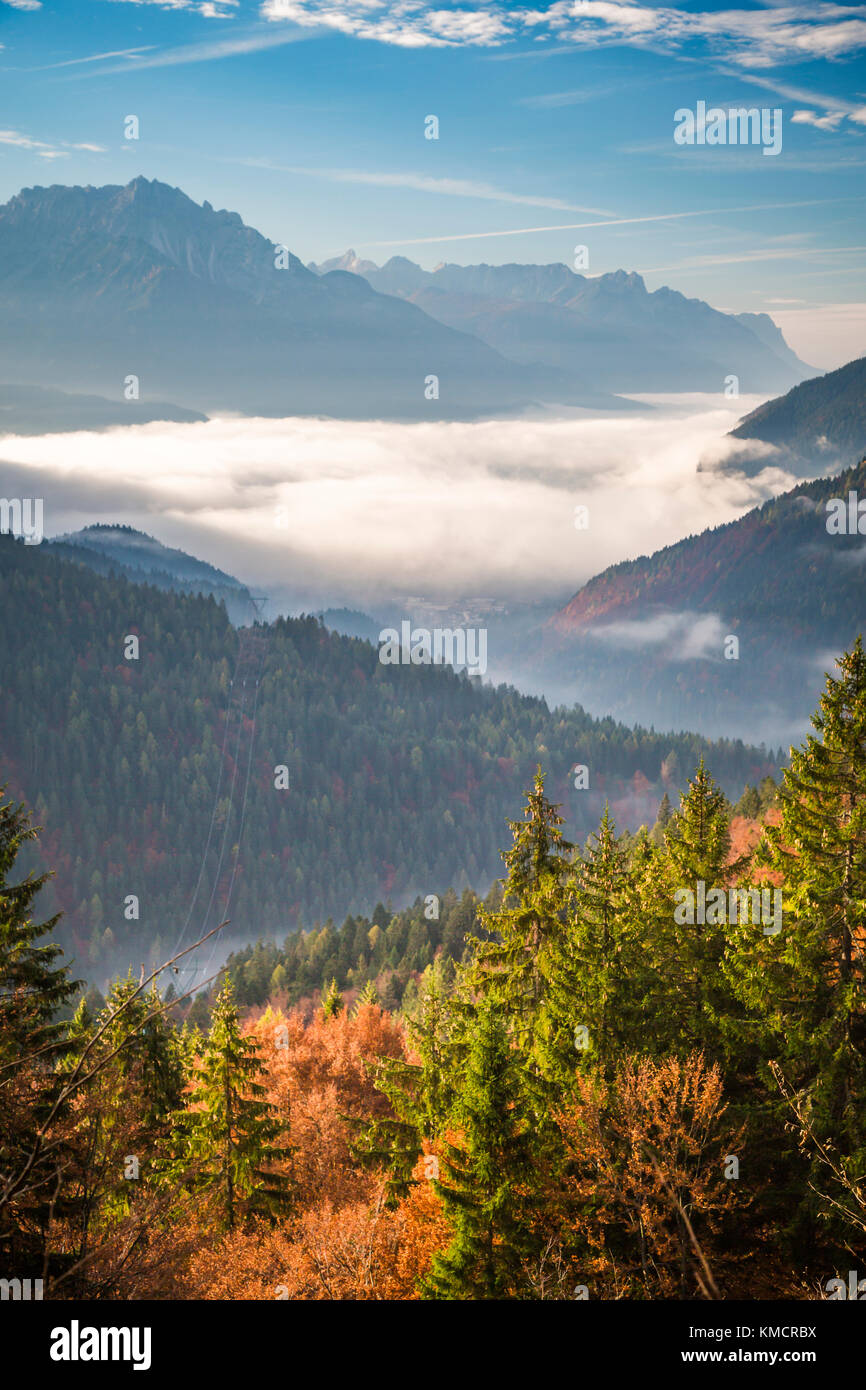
x=805 y=987
x=226 y=1138
x=486 y=1177
x=33 y=988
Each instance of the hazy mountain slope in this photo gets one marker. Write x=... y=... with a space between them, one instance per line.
x=100 y=284
x=40 y=410
x=141 y=558
x=818 y=423
x=609 y=328
x=646 y=638
x=401 y=778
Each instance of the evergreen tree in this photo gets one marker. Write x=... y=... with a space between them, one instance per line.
x=226 y=1138
x=592 y=1010
x=486 y=1177
x=332 y=1000
x=688 y=951
x=526 y=933
x=421 y=1094
x=33 y=988
x=368 y=995
x=136 y=1072
x=805 y=987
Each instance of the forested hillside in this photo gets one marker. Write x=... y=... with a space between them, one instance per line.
x=147 y=778
x=647 y=639
x=819 y=421
x=643 y=1079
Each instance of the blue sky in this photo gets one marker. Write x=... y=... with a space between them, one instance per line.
x=556 y=129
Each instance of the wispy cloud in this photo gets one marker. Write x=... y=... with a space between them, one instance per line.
x=23 y=4
x=210 y=50
x=612 y=222
x=791 y=253
x=833 y=109
x=422 y=183
x=25 y=142
x=93 y=58
x=42 y=148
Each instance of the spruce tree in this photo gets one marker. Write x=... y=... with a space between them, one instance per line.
x=688 y=951
x=34 y=987
x=421 y=1094
x=526 y=933
x=805 y=987
x=592 y=1010
x=136 y=1069
x=225 y=1140
x=486 y=1177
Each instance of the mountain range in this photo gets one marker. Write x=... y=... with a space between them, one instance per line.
x=139 y=292
x=103 y=286
x=609 y=329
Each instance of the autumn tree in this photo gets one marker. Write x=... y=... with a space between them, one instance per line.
x=646 y=1178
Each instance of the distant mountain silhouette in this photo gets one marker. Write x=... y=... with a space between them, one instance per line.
x=39 y=410
x=608 y=329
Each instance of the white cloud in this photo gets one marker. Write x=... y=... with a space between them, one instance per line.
x=42 y=148
x=692 y=636
x=755 y=39
x=210 y=9
x=381 y=509
x=23 y=4
x=829 y=121
x=24 y=142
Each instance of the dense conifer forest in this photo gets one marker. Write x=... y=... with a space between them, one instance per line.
x=170 y=762
x=623 y=1075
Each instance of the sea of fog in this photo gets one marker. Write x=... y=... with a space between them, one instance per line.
x=318 y=512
